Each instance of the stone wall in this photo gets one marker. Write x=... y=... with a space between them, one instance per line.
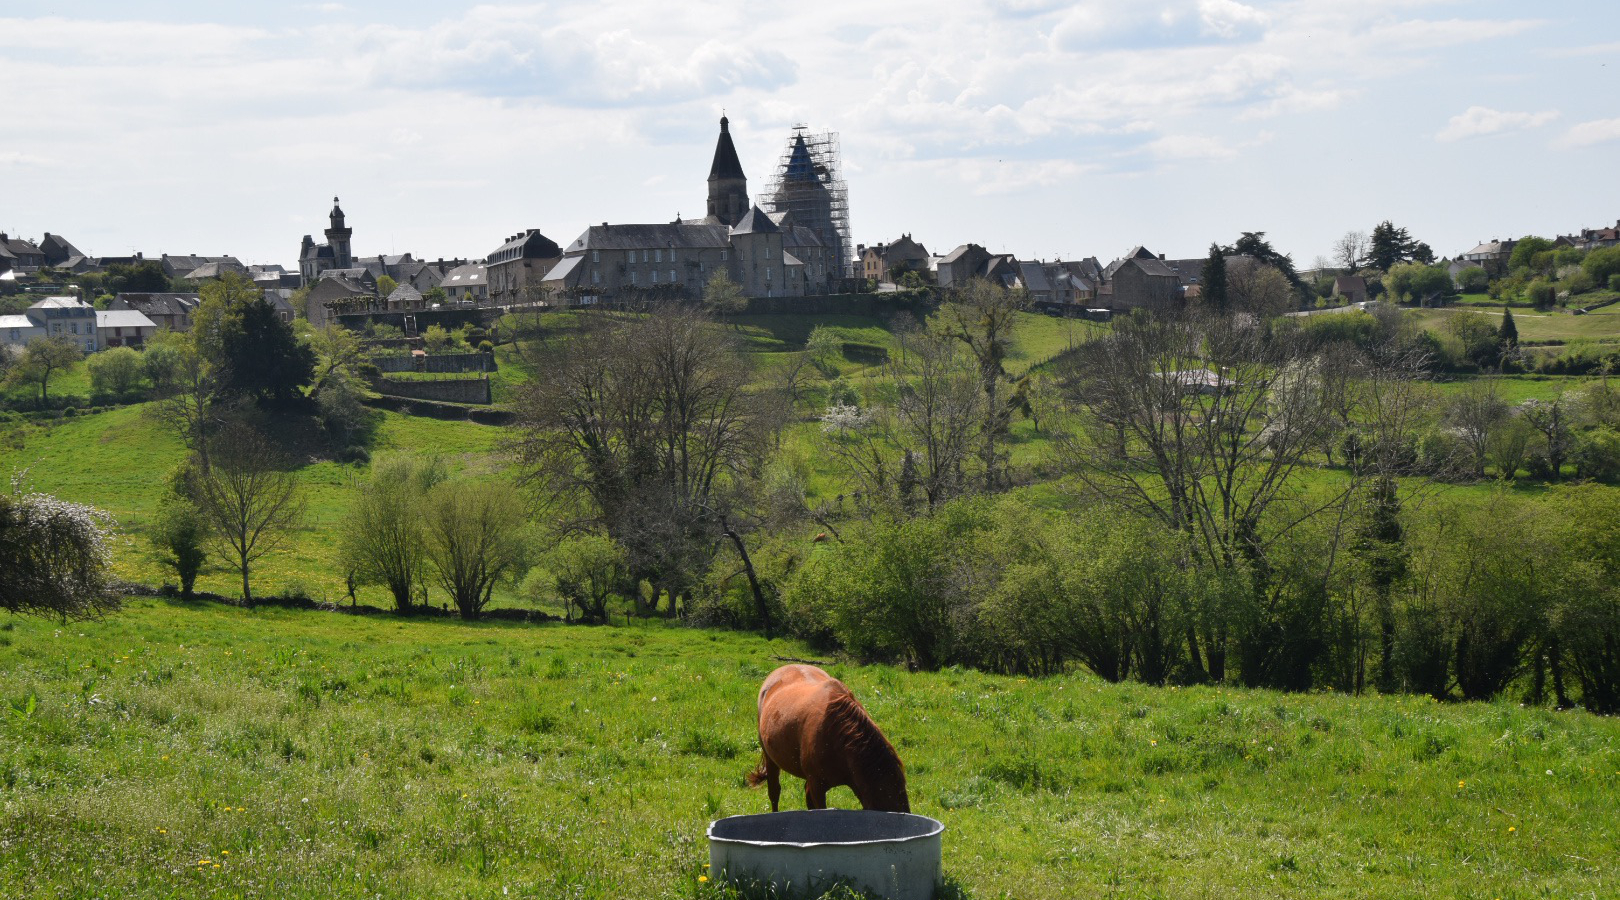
x=449 y=390
x=438 y=362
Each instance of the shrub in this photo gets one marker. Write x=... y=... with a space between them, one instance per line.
x=1579 y=282
x=1541 y=293
x=1597 y=454
x=54 y=556
x=486 y=347
x=115 y=373
x=180 y=537
x=1473 y=280
x=868 y=353
x=1614 y=282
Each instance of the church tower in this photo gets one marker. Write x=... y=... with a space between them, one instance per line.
x=338 y=238
x=728 y=186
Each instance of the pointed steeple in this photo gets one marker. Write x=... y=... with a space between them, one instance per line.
x=728 y=186
x=726 y=164
x=800 y=167
x=337 y=214
x=338 y=238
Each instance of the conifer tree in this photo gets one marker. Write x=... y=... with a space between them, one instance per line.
x=1509 y=334
x=1215 y=279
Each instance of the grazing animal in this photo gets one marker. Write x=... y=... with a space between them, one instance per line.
x=812 y=727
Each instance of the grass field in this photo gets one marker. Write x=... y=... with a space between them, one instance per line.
x=207 y=751
x=1536 y=327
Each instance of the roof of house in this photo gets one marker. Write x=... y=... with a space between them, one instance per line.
x=16 y=322
x=960 y=252
x=1033 y=275
x=405 y=294
x=562 y=270
x=526 y=244
x=159 y=304
x=20 y=246
x=1492 y=247
x=1345 y=284
x=466 y=276
x=122 y=318
x=72 y=303
x=800 y=236
x=55 y=245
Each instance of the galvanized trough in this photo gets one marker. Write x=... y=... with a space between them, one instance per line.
x=802 y=853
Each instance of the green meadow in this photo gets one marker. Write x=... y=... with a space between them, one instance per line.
x=208 y=751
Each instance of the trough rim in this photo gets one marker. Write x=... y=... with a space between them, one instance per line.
x=936 y=830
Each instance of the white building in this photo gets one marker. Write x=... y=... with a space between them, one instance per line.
x=88 y=328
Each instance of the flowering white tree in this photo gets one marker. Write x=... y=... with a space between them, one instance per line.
x=54 y=555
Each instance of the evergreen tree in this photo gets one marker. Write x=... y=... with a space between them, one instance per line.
x=1253 y=244
x=1390 y=246
x=1215 y=279
x=1509 y=334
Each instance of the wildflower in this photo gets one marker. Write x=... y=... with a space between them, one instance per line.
x=1549 y=771
x=225 y=853
x=703 y=878
x=1512 y=828
x=1153 y=743
x=216 y=865
x=1461 y=784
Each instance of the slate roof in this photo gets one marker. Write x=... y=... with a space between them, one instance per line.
x=636 y=237
x=726 y=164
x=405 y=294
x=800 y=236
x=466 y=276
x=56 y=247
x=160 y=304
x=16 y=322
x=561 y=271
x=1190 y=271
x=1033 y=275
x=755 y=222
x=957 y=254
x=528 y=244
x=122 y=318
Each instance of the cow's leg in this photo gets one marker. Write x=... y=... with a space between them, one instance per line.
x=773 y=782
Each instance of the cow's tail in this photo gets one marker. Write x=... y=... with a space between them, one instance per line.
x=760 y=773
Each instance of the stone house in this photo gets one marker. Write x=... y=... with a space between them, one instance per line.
x=168 y=311
x=1353 y=288
x=519 y=264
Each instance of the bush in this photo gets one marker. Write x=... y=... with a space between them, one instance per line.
x=1597 y=454
x=1473 y=280
x=115 y=373
x=1614 y=282
x=180 y=537
x=1541 y=293
x=1579 y=283
x=1602 y=264
x=486 y=347
x=867 y=353
x=54 y=556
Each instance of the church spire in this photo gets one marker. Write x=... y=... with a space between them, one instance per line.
x=728 y=186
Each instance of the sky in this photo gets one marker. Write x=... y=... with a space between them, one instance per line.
x=1039 y=128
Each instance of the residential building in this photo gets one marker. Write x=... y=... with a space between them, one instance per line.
x=69 y=317
x=468 y=283
x=1594 y=238
x=24 y=255
x=519 y=264
x=169 y=311
x=1492 y=256
x=336 y=294
x=1139 y=280
x=57 y=250
x=958 y=266
x=886 y=262
x=198 y=268
x=1353 y=288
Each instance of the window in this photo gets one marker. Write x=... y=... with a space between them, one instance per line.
x=654 y=276
x=596 y=256
x=767 y=273
x=658 y=255
x=722 y=256
x=671 y=276
x=596 y=276
x=632 y=277
x=74 y=326
x=56 y=328
x=643 y=255
x=672 y=254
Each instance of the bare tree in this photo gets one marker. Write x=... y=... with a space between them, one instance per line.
x=1203 y=424
x=1350 y=250
x=1474 y=413
x=474 y=540
x=1551 y=419
x=188 y=402
x=982 y=315
x=640 y=427
x=1258 y=288
x=248 y=498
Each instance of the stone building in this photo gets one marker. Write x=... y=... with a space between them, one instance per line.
x=519 y=264
x=886 y=262
x=313 y=258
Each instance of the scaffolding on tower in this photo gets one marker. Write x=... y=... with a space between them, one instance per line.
x=808 y=184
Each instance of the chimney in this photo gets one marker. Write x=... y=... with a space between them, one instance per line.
x=1161 y=257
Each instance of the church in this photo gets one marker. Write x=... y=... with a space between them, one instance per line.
x=313 y=258
x=767 y=254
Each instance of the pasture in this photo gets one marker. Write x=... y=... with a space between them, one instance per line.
x=207 y=751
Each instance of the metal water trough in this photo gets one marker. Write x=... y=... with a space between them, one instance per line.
x=804 y=852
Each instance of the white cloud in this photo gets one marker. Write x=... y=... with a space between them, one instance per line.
x=1180 y=147
x=1480 y=120
x=1586 y=134
x=1111 y=25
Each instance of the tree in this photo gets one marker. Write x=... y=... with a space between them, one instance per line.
x=1390 y=245
x=43 y=359
x=385 y=538
x=248 y=499
x=250 y=352
x=435 y=296
x=1254 y=244
x=1541 y=293
x=139 y=277
x=55 y=555
x=180 y=536
x=1550 y=418
x=1418 y=283
x=1525 y=253
x=982 y=316
x=474 y=540
x=437 y=340
x=641 y=427
x=1475 y=413
x=586 y=571
x=386 y=285
x=115 y=372
x=1350 y=250
x=1473 y=280
x=722 y=296
x=1258 y=288
x=1509 y=333
x=188 y=404
x=1214 y=279
x=162 y=360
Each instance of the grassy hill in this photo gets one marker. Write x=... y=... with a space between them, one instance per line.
x=173 y=751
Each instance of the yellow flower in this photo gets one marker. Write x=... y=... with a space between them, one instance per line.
x=703 y=878
x=225 y=852
x=1461 y=783
x=1512 y=828
x=1153 y=743
x=216 y=865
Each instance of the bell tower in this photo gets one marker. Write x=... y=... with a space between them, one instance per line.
x=338 y=238
x=728 y=186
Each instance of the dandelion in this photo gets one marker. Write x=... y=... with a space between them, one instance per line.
x=1152 y=743
x=703 y=878
x=225 y=853
x=1461 y=784
x=1549 y=771
x=1512 y=828
x=216 y=865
